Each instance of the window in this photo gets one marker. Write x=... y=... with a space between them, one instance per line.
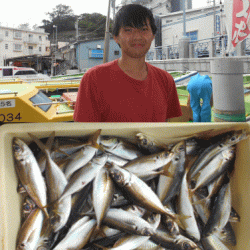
x=193 y=35
x=40 y=49
x=17 y=47
x=25 y=72
x=41 y=98
x=6 y=46
x=7 y=72
x=6 y=33
x=96 y=53
x=17 y=34
x=116 y=52
x=40 y=38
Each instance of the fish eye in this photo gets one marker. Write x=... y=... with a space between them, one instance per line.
x=177 y=158
x=117 y=176
x=186 y=246
x=166 y=154
x=233 y=138
x=17 y=148
x=169 y=224
x=27 y=207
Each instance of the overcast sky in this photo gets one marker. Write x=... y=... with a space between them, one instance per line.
x=15 y=12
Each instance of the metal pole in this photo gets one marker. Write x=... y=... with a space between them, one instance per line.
x=107 y=36
x=184 y=17
x=214 y=19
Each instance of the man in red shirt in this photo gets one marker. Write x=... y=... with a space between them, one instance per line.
x=128 y=89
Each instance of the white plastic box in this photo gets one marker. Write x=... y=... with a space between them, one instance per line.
x=10 y=205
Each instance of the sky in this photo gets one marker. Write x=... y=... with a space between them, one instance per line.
x=16 y=12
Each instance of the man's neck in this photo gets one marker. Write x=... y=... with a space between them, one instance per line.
x=134 y=67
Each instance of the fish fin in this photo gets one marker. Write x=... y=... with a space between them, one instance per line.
x=101 y=247
x=43 y=147
x=179 y=219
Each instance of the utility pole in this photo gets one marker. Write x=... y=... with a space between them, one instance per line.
x=107 y=36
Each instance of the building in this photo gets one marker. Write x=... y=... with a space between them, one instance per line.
x=161 y=7
x=20 y=43
x=89 y=53
x=199 y=24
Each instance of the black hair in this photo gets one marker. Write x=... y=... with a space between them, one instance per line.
x=133 y=15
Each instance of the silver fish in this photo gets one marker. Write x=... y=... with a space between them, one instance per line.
x=120 y=147
x=168 y=187
x=138 y=191
x=133 y=241
x=221 y=210
x=212 y=242
x=177 y=242
x=78 y=235
x=128 y=222
x=56 y=182
x=216 y=167
x=29 y=173
x=29 y=233
x=149 y=162
x=84 y=175
x=210 y=152
x=185 y=208
x=103 y=190
x=83 y=156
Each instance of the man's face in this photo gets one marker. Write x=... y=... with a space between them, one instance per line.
x=135 y=42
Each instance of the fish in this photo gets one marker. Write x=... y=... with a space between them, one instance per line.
x=78 y=235
x=212 y=242
x=116 y=197
x=30 y=174
x=210 y=152
x=221 y=210
x=128 y=222
x=56 y=182
x=133 y=241
x=149 y=162
x=29 y=233
x=137 y=190
x=120 y=147
x=185 y=208
x=83 y=156
x=102 y=195
x=178 y=242
x=84 y=175
x=216 y=167
x=169 y=186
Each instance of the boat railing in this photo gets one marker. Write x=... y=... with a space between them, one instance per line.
x=9 y=93
x=64 y=112
x=50 y=103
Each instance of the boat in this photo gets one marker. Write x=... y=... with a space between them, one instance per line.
x=26 y=103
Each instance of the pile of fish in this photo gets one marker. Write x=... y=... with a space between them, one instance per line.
x=109 y=192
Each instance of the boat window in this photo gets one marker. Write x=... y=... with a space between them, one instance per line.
x=41 y=98
x=7 y=72
x=25 y=72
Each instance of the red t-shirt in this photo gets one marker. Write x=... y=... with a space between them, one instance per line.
x=107 y=94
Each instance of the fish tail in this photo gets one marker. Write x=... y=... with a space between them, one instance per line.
x=93 y=140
